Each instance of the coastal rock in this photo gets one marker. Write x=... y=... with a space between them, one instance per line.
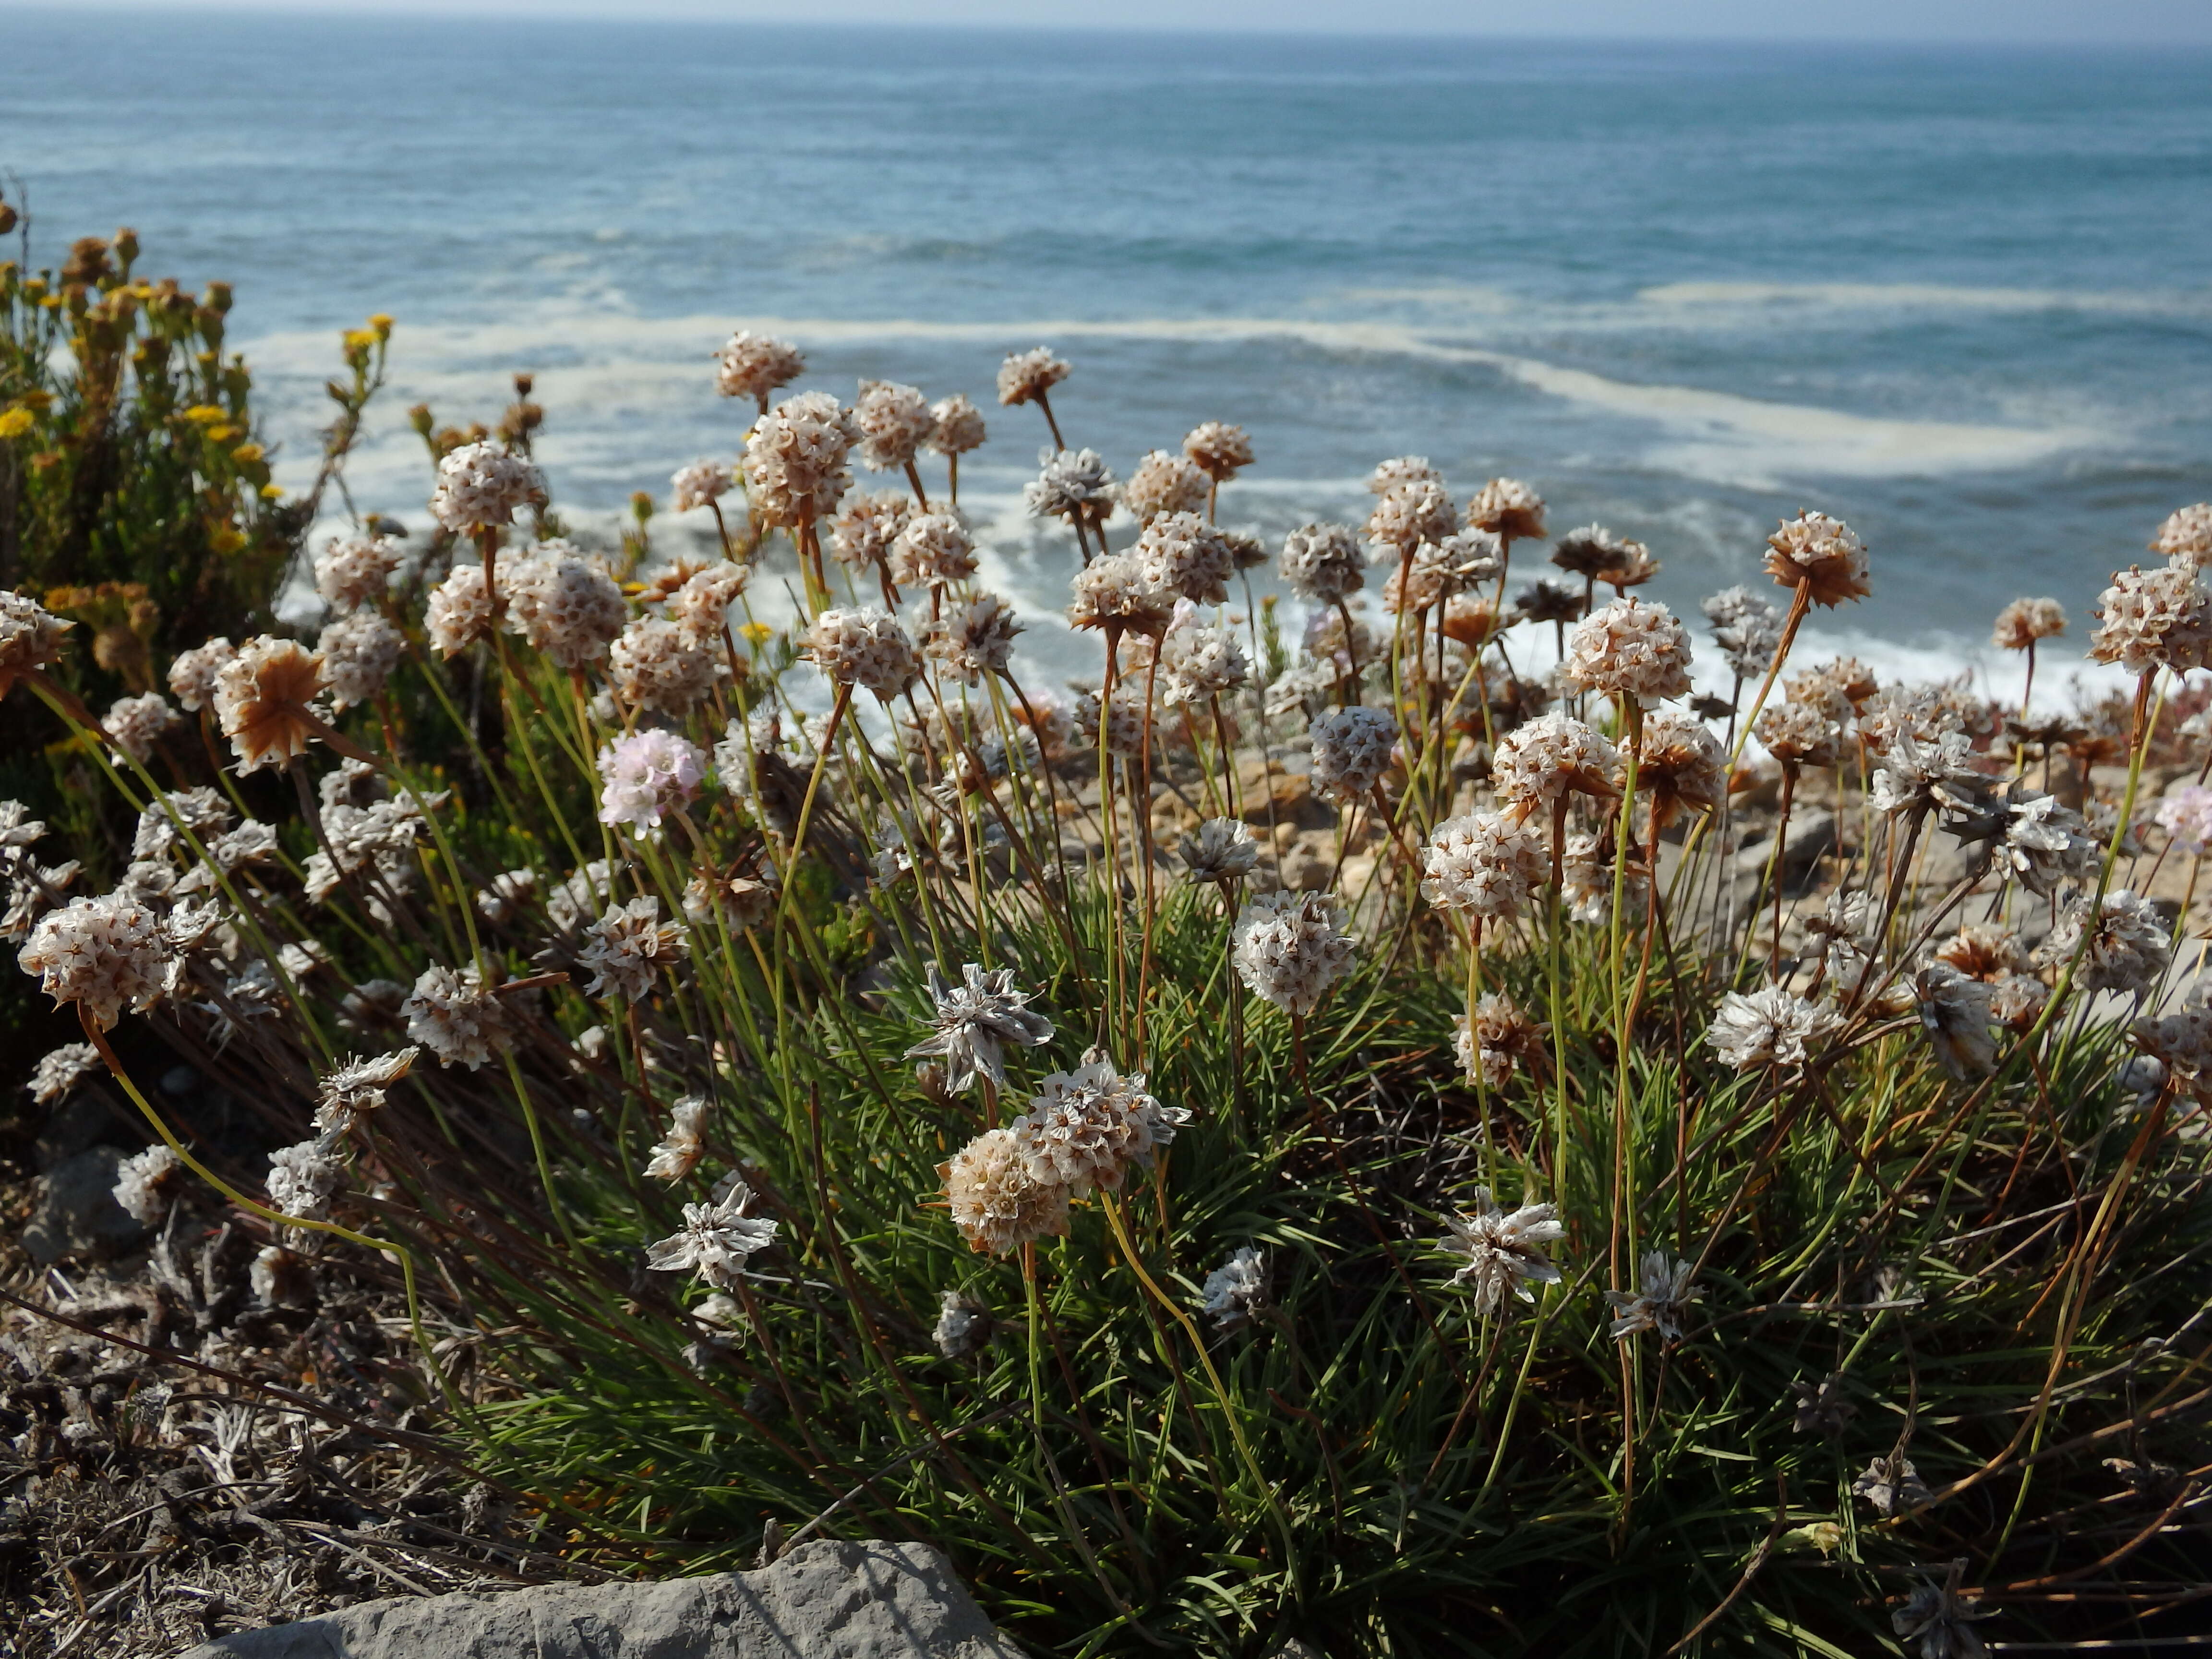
x=1812 y=836
x=825 y=1599
x=77 y=1213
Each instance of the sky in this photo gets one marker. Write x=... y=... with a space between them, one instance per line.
x=2025 y=22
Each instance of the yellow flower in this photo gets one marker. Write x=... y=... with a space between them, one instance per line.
x=359 y=339
x=757 y=634
x=224 y=540
x=245 y=454
x=206 y=414
x=221 y=435
x=14 y=422
x=382 y=324
x=270 y=492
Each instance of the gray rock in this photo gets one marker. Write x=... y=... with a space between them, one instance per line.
x=826 y=1600
x=77 y=1213
x=81 y=1121
x=1812 y=836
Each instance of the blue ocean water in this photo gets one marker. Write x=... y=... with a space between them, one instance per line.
x=1961 y=298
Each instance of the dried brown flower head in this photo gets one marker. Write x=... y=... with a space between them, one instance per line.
x=894 y=420
x=1508 y=508
x=754 y=366
x=264 y=697
x=2152 y=619
x=2024 y=622
x=1218 y=450
x=1026 y=376
x=1164 y=482
x=1820 y=554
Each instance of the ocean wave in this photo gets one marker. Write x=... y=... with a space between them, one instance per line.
x=1921 y=296
x=1719 y=436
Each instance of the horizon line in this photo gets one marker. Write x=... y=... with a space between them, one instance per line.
x=697 y=13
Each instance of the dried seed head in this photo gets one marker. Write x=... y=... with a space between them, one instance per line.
x=1588 y=871
x=1596 y=552
x=1746 y=627
x=1218 y=450
x=144 y=1183
x=1399 y=469
x=1198 y=665
x=60 y=1070
x=975 y=1021
x=1630 y=648
x=1115 y=592
x=1074 y=484
x=481 y=485
x=1661 y=1301
x=1413 y=511
x=1984 y=951
x=995 y=1201
x=1220 y=849
x=355 y=1088
x=1507 y=507
x=264 y=699
x=715 y=1242
x=894 y=420
x=1954 y=1011
x=755 y=366
x=2126 y=947
x=1820 y=554
x=1086 y=1129
x=1235 y=1292
x=1487 y=864
x=1505 y=1040
x=2024 y=622
x=1799 y=734
x=1290 y=948
x=1680 y=765
x=677 y=1152
x=30 y=637
x=564 y=603
x=1165 y=482
x=701 y=607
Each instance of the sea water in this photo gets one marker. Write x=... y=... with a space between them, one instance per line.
x=1961 y=298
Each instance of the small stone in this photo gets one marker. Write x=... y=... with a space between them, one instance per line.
x=77 y=1213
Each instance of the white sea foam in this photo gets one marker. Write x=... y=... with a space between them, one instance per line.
x=608 y=361
x=1920 y=296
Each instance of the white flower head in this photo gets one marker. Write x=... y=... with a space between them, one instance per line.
x=1235 y=1292
x=975 y=1020
x=1770 y=1027
x=716 y=1241
x=677 y=1152
x=1290 y=948
x=1504 y=1249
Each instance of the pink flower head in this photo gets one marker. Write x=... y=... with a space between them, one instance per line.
x=646 y=773
x=2186 y=814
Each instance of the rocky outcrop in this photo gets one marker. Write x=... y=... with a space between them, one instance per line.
x=826 y=1600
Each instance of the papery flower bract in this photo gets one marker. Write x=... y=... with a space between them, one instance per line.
x=974 y=640
x=716 y=1241
x=1507 y=507
x=1769 y=1027
x=1179 y=550
x=956 y=425
x=303 y=1179
x=1086 y=1129
x=2152 y=619
x=1505 y=1249
x=795 y=459
x=699 y=485
x=1954 y=1011
x=932 y=551
x=2024 y=622
x=136 y=724
x=1746 y=627
x=1290 y=948
x=1115 y=593
x=2127 y=947
x=964 y=1326
x=1661 y=1301
x=2185 y=538
x=646 y=773
x=626 y=948
x=60 y=1070
x=662 y=667
x=264 y=699
x=565 y=605
x=974 y=1020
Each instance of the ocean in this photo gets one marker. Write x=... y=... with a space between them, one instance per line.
x=1961 y=298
